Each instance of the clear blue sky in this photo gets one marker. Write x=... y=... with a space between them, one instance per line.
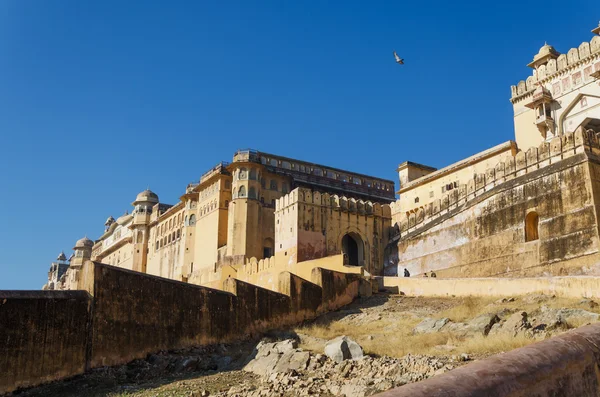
x=99 y=100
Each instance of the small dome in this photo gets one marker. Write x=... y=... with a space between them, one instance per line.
x=147 y=196
x=84 y=243
x=61 y=257
x=545 y=51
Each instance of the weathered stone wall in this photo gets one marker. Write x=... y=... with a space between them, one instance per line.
x=257 y=309
x=135 y=314
x=482 y=233
x=50 y=335
x=562 y=366
x=43 y=336
x=338 y=289
x=568 y=287
x=311 y=225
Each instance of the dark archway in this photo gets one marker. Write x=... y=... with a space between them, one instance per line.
x=352 y=248
x=531 y=226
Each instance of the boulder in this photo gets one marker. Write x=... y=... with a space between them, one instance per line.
x=516 y=323
x=292 y=360
x=343 y=348
x=555 y=318
x=430 y=325
x=483 y=324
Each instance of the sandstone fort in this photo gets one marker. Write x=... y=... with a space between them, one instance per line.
x=265 y=241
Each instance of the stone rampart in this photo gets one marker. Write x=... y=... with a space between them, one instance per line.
x=563 y=366
x=257 y=309
x=522 y=163
x=135 y=314
x=334 y=201
x=50 y=335
x=585 y=53
x=43 y=336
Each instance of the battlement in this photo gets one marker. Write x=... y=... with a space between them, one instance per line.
x=566 y=66
x=534 y=158
x=337 y=203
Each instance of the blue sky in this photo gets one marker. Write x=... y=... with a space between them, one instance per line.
x=99 y=100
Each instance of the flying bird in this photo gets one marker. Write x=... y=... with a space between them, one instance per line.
x=399 y=60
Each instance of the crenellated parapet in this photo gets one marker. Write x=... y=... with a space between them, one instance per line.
x=524 y=162
x=579 y=65
x=336 y=202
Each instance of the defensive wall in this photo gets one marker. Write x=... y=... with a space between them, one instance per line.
x=123 y=315
x=479 y=229
x=568 y=287
x=311 y=225
x=563 y=366
x=556 y=68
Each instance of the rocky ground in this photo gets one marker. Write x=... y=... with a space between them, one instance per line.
x=390 y=340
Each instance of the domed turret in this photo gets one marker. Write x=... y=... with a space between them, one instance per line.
x=147 y=196
x=84 y=243
x=83 y=251
x=545 y=53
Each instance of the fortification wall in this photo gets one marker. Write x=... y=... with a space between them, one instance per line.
x=586 y=53
x=43 y=336
x=135 y=314
x=311 y=225
x=563 y=366
x=479 y=229
x=569 y=287
x=49 y=335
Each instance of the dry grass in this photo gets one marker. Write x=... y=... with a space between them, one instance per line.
x=392 y=335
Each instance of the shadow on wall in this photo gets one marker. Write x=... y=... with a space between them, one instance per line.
x=391 y=259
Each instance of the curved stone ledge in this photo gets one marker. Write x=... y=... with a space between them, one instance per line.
x=563 y=366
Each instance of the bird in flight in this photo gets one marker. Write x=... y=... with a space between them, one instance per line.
x=399 y=60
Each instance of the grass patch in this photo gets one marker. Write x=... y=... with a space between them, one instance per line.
x=392 y=334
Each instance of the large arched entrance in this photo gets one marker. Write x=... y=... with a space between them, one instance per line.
x=353 y=249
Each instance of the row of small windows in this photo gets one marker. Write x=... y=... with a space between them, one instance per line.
x=172 y=223
x=445 y=188
x=328 y=173
x=172 y=237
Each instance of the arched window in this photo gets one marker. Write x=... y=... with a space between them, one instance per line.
x=273 y=184
x=178 y=233
x=185 y=221
x=416 y=199
x=157 y=245
x=252 y=192
x=242 y=192
x=531 y=226
x=252 y=174
x=192 y=220
x=226 y=203
x=243 y=174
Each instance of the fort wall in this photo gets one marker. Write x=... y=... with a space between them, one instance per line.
x=43 y=336
x=50 y=335
x=311 y=225
x=479 y=229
